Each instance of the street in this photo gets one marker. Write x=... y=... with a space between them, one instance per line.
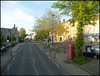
x=30 y=60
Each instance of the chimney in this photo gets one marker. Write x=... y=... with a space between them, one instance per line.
x=59 y=21
x=63 y=20
x=14 y=25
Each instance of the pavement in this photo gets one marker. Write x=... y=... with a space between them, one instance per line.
x=61 y=58
x=30 y=60
x=8 y=55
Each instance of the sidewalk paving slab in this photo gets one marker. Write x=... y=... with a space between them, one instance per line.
x=74 y=69
x=7 y=57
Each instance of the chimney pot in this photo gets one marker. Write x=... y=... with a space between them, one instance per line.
x=14 y=25
x=63 y=20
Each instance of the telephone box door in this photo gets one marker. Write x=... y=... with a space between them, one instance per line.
x=69 y=51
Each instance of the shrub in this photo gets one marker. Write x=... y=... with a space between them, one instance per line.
x=81 y=60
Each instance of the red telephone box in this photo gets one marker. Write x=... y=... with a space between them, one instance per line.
x=71 y=51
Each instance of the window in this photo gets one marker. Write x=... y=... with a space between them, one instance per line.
x=89 y=30
x=89 y=24
x=66 y=26
x=84 y=30
x=76 y=24
x=95 y=29
x=72 y=32
x=95 y=22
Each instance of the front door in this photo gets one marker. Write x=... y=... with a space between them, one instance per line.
x=60 y=38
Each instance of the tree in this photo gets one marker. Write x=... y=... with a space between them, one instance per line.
x=46 y=22
x=42 y=34
x=85 y=12
x=22 y=33
x=2 y=38
x=59 y=29
x=13 y=38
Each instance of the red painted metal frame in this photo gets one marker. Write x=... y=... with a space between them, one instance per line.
x=71 y=51
x=70 y=46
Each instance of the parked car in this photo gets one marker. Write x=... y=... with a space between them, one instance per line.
x=96 y=52
x=2 y=49
x=8 y=44
x=3 y=44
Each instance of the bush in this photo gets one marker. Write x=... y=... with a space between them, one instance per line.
x=21 y=40
x=13 y=44
x=13 y=38
x=81 y=60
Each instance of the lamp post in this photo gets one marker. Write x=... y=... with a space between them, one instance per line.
x=52 y=27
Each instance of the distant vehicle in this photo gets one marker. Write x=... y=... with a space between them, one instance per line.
x=96 y=52
x=8 y=44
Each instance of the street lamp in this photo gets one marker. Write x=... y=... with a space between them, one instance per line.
x=52 y=27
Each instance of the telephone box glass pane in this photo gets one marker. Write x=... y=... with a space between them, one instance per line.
x=88 y=50
x=69 y=52
x=73 y=53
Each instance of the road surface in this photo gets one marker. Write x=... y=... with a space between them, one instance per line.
x=30 y=60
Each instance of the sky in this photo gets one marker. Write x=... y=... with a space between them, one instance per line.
x=24 y=13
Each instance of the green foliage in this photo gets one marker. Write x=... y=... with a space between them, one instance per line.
x=46 y=24
x=59 y=29
x=13 y=38
x=2 y=38
x=81 y=60
x=85 y=12
x=22 y=33
x=79 y=41
x=20 y=39
x=42 y=34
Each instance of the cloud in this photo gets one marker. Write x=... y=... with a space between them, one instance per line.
x=13 y=12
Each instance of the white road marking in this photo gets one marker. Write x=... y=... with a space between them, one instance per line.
x=11 y=63
x=52 y=61
x=34 y=63
x=59 y=68
x=8 y=70
x=43 y=52
x=49 y=57
x=23 y=57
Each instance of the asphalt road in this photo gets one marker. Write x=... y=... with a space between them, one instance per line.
x=30 y=60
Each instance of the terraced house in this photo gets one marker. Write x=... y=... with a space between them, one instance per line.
x=91 y=33
x=9 y=32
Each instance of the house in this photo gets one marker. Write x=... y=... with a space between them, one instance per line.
x=91 y=33
x=31 y=36
x=8 y=32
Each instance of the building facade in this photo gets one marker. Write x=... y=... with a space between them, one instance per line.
x=91 y=33
x=9 y=32
x=31 y=36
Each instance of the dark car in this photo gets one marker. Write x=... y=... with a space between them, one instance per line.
x=3 y=44
x=2 y=49
x=96 y=52
x=8 y=45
